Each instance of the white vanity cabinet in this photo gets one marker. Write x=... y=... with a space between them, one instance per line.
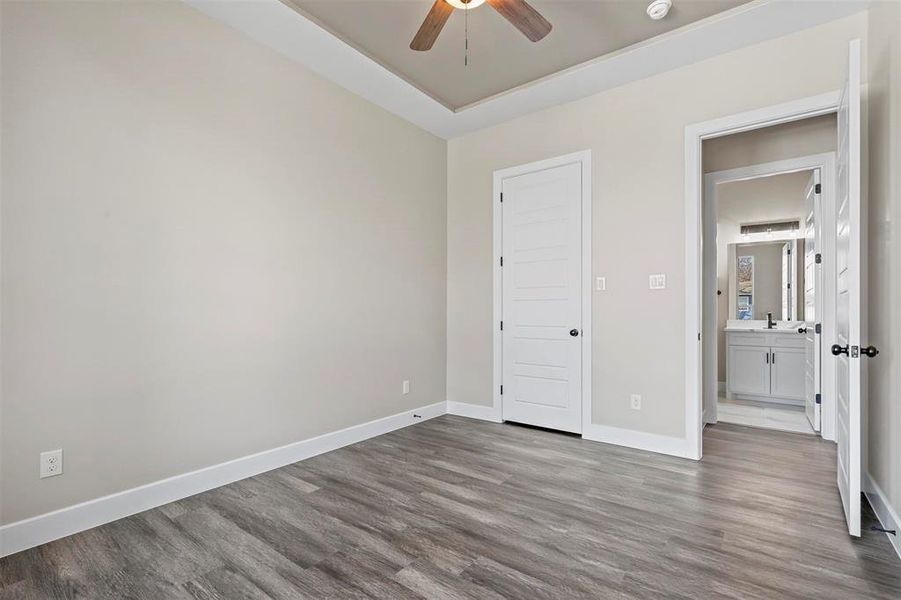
x=766 y=366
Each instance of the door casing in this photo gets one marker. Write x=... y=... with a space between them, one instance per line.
x=695 y=134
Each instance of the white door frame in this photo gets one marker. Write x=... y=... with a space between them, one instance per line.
x=825 y=162
x=695 y=134
x=584 y=159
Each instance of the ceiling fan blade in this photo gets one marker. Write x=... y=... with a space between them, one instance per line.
x=431 y=27
x=525 y=18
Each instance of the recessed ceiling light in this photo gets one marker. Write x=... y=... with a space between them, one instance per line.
x=658 y=8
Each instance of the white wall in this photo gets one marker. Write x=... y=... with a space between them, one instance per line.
x=207 y=250
x=636 y=134
x=884 y=236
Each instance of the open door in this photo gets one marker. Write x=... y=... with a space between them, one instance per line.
x=849 y=303
x=813 y=285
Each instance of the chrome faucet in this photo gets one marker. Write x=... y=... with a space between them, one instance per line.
x=770 y=323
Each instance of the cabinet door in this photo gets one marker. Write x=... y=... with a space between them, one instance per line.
x=788 y=373
x=749 y=370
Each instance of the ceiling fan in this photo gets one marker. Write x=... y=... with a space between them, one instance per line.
x=525 y=18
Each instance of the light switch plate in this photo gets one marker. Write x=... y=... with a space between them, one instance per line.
x=601 y=284
x=657 y=282
x=406 y=387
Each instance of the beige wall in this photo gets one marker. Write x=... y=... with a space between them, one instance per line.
x=788 y=140
x=776 y=198
x=884 y=105
x=207 y=251
x=636 y=134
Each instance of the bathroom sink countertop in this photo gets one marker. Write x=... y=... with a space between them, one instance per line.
x=760 y=327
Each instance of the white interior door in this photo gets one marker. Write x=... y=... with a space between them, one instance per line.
x=849 y=307
x=542 y=298
x=813 y=282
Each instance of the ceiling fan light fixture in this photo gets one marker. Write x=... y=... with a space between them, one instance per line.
x=465 y=5
x=657 y=9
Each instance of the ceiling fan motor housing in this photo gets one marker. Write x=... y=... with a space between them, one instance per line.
x=465 y=4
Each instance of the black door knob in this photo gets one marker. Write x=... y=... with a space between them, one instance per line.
x=836 y=349
x=869 y=351
x=574 y=332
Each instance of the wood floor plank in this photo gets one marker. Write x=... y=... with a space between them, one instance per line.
x=460 y=509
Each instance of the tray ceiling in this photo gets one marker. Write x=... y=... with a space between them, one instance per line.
x=500 y=57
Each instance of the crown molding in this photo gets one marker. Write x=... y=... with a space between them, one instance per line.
x=281 y=28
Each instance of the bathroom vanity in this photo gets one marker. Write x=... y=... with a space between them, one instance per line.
x=766 y=364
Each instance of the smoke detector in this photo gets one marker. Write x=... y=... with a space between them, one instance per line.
x=659 y=9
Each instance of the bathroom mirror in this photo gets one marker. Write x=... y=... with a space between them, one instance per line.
x=764 y=277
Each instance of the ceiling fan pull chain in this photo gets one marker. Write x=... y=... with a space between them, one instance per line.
x=466 y=38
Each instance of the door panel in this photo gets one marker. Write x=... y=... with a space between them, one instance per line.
x=813 y=282
x=542 y=298
x=787 y=373
x=848 y=301
x=749 y=370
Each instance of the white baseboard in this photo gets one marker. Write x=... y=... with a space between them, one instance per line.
x=67 y=521
x=884 y=511
x=474 y=411
x=652 y=442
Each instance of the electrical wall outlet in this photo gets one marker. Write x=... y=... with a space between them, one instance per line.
x=657 y=282
x=51 y=463
x=601 y=284
x=406 y=387
x=635 y=401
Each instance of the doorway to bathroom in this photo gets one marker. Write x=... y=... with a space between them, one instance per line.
x=767 y=296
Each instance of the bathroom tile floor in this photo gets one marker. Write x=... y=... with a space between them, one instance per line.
x=763 y=414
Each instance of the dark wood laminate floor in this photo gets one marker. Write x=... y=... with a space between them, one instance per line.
x=456 y=508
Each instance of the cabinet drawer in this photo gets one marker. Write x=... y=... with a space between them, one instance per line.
x=784 y=340
x=746 y=339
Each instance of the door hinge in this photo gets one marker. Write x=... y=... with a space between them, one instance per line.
x=818 y=188
x=502 y=325
x=818 y=328
x=502 y=196
x=818 y=398
x=502 y=390
x=818 y=258
x=502 y=261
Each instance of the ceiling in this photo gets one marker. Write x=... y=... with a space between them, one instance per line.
x=500 y=57
x=289 y=32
